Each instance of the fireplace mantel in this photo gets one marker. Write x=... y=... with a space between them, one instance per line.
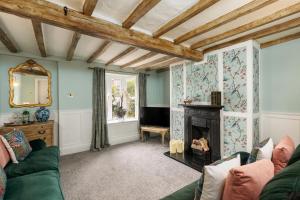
x=202 y=106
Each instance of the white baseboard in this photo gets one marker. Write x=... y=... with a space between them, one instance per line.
x=118 y=140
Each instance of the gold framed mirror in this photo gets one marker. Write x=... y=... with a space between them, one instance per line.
x=29 y=85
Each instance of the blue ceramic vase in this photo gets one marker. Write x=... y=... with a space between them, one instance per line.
x=42 y=114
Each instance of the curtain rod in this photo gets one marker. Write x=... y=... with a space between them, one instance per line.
x=111 y=70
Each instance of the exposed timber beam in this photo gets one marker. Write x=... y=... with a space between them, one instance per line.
x=259 y=34
x=7 y=42
x=99 y=51
x=75 y=39
x=165 y=64
x=154 y=62
x=88 y=8
x=244 y=10
x=135 y=15
x=53 y=14
x=38 y=32
x=121 y=55
x=280 y=40
x=255 y=24
x=139 y=12
x=186 y=15
x=139 y=59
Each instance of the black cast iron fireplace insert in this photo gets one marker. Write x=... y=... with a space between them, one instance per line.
x=200 y=122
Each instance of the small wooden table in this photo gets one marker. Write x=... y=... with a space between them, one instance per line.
x=155 y=129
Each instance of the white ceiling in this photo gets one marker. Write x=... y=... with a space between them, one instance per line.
x=58 y=40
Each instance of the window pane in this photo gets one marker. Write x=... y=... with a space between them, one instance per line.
x=131 y=87
x=122 y=101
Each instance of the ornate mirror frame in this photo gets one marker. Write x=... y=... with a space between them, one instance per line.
x=28 y=65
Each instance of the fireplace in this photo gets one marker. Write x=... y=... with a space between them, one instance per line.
x=201 y=136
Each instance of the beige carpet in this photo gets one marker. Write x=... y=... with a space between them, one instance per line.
x=132 y=171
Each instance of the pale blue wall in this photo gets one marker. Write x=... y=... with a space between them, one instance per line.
x=280 y=77
x=158 y=89
x=75 y=78
x=6 y=62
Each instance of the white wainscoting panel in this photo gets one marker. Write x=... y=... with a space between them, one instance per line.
x=276 y=125
x=75 y=130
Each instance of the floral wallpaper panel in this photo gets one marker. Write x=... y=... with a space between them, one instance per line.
x=235 y=80
x=255 y=80
x=255 y=131
x=202 y=79
x=177 y=123
x=235 y=135
x=177 y=85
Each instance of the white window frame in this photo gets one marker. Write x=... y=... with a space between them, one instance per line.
x=109 y=76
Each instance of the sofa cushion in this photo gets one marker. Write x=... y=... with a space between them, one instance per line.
x=37 y=144
x=283 y=185
x=262 y=151
x=41 y=185
x=3 y=182
x=282 y=153
x=244 y=157
x=185 y=193
x=215 y=177
x=9 y=149
x=42 y=160
x=19 y=143
x=296 y=156
x=247 y=181
x=4 y=156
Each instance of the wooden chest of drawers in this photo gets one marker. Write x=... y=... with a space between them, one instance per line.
x=37 y=130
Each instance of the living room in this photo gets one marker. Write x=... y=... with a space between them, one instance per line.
x=149 y=99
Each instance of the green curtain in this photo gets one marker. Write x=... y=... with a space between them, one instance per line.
x=142 y=90
x=99 y=135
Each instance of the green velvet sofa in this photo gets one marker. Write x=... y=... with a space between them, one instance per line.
x=37 y=177
x=283 y=186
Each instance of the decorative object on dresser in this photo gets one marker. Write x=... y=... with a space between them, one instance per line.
x=42 y=114
x=36 y=130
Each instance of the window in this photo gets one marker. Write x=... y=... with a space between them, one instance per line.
x=121 y=92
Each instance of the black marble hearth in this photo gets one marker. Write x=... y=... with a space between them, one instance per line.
x=200 y=121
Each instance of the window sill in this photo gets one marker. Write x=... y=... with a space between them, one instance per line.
x=121 y=121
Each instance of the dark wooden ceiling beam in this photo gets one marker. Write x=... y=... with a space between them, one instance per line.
x=244 y=28
x=185 y=16
x=239 y=12
x=128 y=51
x=38 y=32
x=53 y=14
x=89 y=7
x=139 y=59
x=7 y=42
x=99 y=51
x=280 y=40
x=139 y=12
x=259 y=34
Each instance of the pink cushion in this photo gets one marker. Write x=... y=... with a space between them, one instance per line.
x=282 y=153
x=247 y=181
x=4 y=156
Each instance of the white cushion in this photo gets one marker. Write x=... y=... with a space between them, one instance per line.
x=265 y=152
x=10 y=150
x=215 y=177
